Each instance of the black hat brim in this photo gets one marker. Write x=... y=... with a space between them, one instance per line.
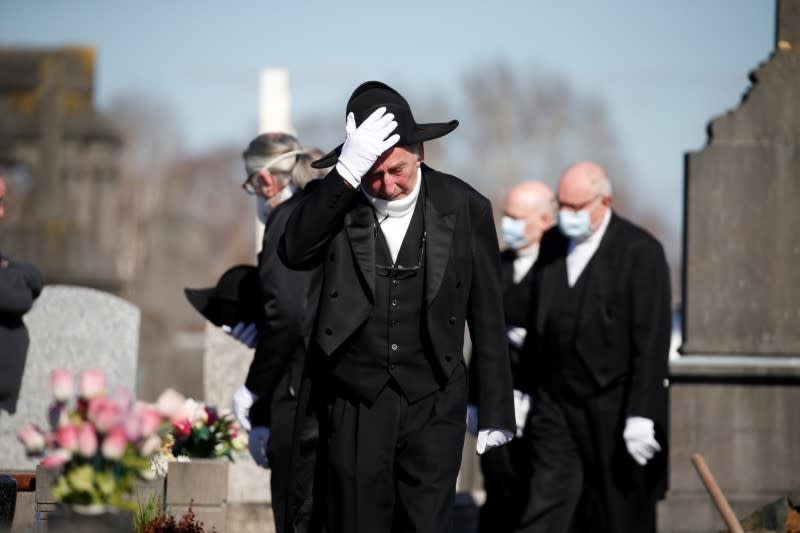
x=422 y=133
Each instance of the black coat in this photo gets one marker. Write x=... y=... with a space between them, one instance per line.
x=624 y=323
x=289 y=303
x=334 y=226
x=20 y=285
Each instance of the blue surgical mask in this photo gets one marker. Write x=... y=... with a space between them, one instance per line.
x=513 y=232
x=574 y=224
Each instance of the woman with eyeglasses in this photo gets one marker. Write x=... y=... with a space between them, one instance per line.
x=278 y=167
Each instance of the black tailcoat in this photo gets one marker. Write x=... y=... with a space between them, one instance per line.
x=621 y=338
x=334 y=226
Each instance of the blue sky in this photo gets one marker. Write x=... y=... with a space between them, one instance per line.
x=664 y=68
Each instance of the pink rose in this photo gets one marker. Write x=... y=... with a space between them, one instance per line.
x=150 y=420
x=151 y=445
x=114 y=444
x=169 y=402
x=61 y=385
x=182 y=428
x=67 y=437
x=32 y=438
x=93 y=384
x=57 y=458
x=104 y=413
x=87 y=441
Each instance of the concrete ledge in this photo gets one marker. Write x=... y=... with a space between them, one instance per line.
x=735 y=366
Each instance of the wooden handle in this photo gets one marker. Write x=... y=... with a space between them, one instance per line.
x=716 y=494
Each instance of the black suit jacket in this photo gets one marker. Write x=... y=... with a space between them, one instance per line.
x=624 y=322
x=289 y=301
x=333 y=226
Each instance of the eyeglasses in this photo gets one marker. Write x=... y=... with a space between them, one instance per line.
x=399 y=271
x=578 y=207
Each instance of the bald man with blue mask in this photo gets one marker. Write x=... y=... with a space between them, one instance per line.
x=528 y=211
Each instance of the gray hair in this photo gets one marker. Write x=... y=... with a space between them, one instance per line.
x=283 y=154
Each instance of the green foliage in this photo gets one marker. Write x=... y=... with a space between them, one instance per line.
x=147 y=513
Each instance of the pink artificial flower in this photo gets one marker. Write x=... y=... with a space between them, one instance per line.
x=211 y=414
x=104 y=413
x=32 y=438
x=150 y=445
x=57 y=458
x=87 y=441
x=169 y=402
x=182 y=428
x=133 y=427
x=93 y=384
x=123 y=398
x=61 y=385
x=150 y=420
x=67 y=437
x=114 y=444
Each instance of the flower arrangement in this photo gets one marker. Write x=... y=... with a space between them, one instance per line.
x=101 y=445
x=198 y=430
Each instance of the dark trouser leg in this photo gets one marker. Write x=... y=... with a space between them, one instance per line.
x=503 y=470
x=556 y=469
x=279 y=453
x=614 y=497
x=428 y=458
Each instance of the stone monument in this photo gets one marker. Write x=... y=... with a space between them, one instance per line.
x=75 y=328
x=736 y=387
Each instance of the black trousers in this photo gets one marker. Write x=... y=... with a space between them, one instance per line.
x=283 y=410
x=583 y=479
x=505 y=475
x=392 y=466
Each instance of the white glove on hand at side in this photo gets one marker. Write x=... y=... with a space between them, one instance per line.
x=243 y=400
x=364 y=144
x=257 y=443
x=522 y=404
x=640 y=439
x=244 y=333
x=490 y=438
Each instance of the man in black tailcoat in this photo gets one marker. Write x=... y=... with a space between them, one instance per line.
x=409 y=255
x=596 y=353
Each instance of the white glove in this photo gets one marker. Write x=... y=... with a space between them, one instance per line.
x=472 y=419
x=640 y=439
x=244 y=333
x=516 y=336
x=242 y=402
x=364 y=145
x=490 y=438
x=257 y=443
x=522 y=404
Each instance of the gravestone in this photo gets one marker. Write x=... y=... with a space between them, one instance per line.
x=75 y=328
x=736 y=387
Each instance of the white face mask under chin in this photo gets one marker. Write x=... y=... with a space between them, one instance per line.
x=263 y=209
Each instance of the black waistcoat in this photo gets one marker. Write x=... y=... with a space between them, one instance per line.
x=390 y=344
x=576 y=379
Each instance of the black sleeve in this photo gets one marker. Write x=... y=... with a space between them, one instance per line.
x=20 y=284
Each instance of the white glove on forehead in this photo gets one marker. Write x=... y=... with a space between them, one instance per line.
x=365 y=144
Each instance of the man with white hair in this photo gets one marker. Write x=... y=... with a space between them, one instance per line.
x=596 y=363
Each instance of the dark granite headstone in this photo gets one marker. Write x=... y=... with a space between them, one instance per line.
x=8 y=501
x=742 y=215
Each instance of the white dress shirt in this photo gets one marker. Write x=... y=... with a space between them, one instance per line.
x=394 y=216
x=526 y=257
x=580 y=252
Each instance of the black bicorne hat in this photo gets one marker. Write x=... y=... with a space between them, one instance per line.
x=372 y=95
x=235 y=298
